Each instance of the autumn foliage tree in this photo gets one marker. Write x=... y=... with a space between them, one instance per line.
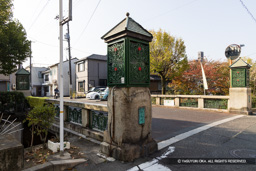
x=190 y=82
x=167 y=56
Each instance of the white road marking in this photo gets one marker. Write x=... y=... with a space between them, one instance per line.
x=154 y=165
x=180 y=137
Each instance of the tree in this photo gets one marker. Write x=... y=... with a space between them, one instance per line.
x=217 y=75
x=167 y=56
x=252 y=74
x=41 y=118
x=14 y=46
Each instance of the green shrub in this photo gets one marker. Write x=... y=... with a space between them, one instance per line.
x=12 y=102
x=40 y=119
x=36 y=101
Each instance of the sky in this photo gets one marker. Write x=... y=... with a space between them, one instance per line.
x=204 y=25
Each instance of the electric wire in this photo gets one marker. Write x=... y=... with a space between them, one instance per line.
x=248 y=11
x=88 y=22
x=38 y=15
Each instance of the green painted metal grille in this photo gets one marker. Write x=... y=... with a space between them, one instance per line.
x=153 y=100
x=57 y=111
x=22 y=82
x=253 y=102
x=216 y=103
x=75 y=115
x=98 y=120
x=116 y=63
x=138 y=63
x=188 y=102
x=239 y=77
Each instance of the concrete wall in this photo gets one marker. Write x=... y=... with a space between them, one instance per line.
x=11 y=153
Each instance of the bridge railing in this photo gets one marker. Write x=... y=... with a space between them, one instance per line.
x=192 y=101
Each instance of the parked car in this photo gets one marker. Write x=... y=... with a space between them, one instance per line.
x=104 y=94
x=96 y=89
x=93 y=95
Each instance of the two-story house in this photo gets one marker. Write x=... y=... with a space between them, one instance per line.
x=91 y=71
x=36 y=79
x=51 y=78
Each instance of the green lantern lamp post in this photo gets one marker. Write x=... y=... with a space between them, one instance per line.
x=129 y=103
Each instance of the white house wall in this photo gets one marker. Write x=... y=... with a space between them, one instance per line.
x=82 y=76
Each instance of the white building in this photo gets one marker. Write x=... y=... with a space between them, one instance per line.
x=51 y=78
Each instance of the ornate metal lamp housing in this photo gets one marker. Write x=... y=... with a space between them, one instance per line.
x=128 y=54
x=240 y=73
x=22 y=79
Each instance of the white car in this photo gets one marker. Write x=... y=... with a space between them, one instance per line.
x=93 y=95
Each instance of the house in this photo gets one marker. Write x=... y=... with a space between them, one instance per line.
x=7 y=82
x=91 y=71
x=36 y=79
x=51 y=78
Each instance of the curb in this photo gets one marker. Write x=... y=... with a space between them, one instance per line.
x=56 y=165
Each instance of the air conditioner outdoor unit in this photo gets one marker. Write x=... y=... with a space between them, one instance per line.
x=14 y=86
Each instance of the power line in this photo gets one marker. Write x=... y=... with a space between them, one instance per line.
x=38 y=15
x=171 y=10
x=248 y=11
x=88 y=22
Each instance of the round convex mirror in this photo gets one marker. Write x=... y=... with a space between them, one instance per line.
x=233 y=51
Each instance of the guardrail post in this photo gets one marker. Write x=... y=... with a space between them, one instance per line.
x=200 y=103
x=177 y=101
x=85 y=117
x=158 y=99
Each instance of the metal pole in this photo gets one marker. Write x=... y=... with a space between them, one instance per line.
x=70 y=73
x=30 y=67
x=61 y=79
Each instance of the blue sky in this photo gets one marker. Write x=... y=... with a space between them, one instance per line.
x=204 y=25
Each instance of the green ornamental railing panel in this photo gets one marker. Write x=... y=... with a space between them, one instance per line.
x=216 y=103
x=253 y=102
x=75 y=115
x=153 y=100
x=57 y=110
x=98 y=120
x=188 y=102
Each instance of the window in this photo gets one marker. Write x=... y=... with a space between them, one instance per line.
x=40 y=74
x=81 y=86
x=80 y=67
x=46 y=78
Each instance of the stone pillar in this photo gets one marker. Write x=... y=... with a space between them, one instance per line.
x=158 y=100
x=240 y=100
x=200 y=103
x=85 y=117
x=177 y=101
x=128 y=137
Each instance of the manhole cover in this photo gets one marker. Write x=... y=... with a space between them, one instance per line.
x=243 y=153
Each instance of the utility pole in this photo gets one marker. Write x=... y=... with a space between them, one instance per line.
x=70 y=69
x=61 y=23
x=61 y=79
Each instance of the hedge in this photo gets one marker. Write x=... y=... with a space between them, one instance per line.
x=36 y=101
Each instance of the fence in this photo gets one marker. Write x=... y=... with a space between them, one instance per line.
x=193 y=101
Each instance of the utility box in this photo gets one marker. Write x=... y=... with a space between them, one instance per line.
x=128 y=54
x=240 y=73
